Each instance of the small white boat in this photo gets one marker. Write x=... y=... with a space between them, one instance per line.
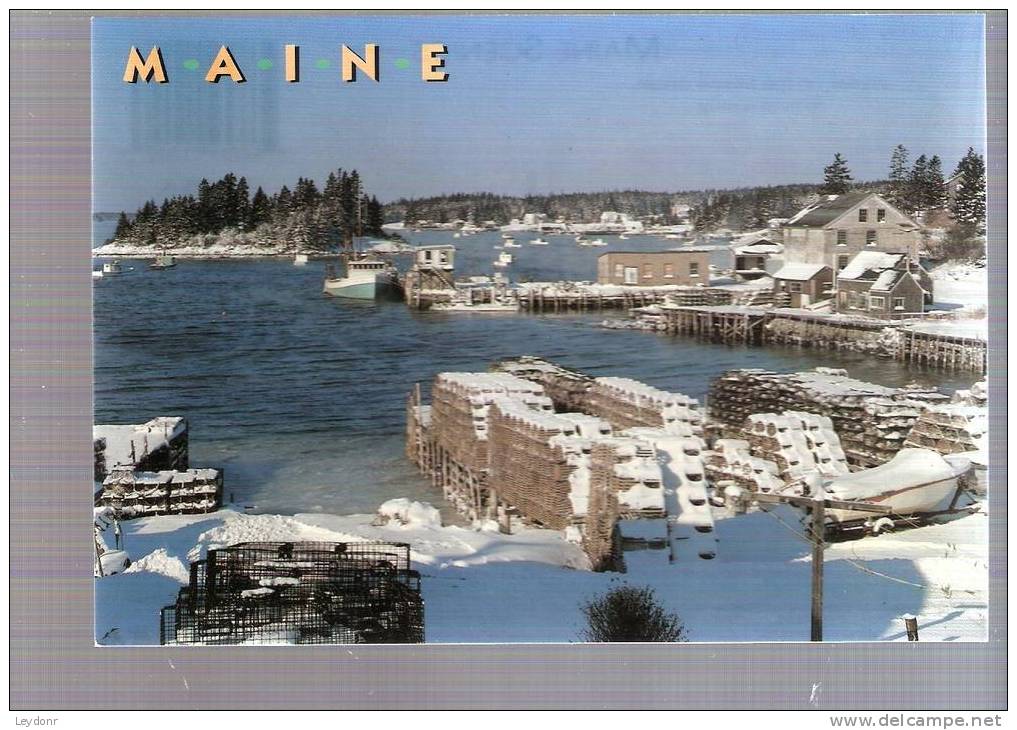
x=504 y=259
x=511 y=243
x=480 y=308
x=96 y=275
x=598 y=242
x=915 y=481
x=507 y=236
x=672 y=236
x=457 y=234
x=538 y=241
x=112 y=268
x=366 y=278
x=300 y=259
x=623 y=237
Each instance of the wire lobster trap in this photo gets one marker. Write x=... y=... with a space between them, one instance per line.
x=299 y=593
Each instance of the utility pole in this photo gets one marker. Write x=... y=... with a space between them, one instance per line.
x=819 y=506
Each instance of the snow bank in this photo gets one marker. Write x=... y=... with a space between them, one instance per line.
x=407 y=513
x=162 y=563
x=961 y=284
x=483 y=586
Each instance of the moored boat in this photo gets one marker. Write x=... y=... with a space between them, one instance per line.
x=365 y=278
x=112 y=268
x=300 y=259
x=597 y=242
x=504 y=259
x=511 y=243
x=538 y=241
x=163 y=261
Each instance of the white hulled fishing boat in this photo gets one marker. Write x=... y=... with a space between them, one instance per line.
x=366 y=277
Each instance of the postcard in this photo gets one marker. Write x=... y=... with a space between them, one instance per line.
x=497 y=329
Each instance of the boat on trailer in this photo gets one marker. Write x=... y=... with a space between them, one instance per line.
x=916 y=484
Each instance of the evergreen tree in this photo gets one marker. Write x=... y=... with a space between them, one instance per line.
x=123 y=227
x=918 y=185
x=242 y=201
x=205 y=215
x=935 y=187
x=898 y=193
x=260 y=210
x=969 y=204
x=283 y=204
x=375 y=217
x=836 y=177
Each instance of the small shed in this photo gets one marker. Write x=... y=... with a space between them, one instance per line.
x=751 y=254
x=883 y=285
x=805 y=283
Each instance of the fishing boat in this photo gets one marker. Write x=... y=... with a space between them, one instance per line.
x=112 y=268
x=538 y=241
x=504 y=259
x=511 y=243
x=163 y=261
x=300 y=259
x=914 y=482
x=367 y=277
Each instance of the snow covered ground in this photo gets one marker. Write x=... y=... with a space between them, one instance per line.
x=480 y=586
x=960 y=285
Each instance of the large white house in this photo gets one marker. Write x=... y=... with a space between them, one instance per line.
x=835 y=229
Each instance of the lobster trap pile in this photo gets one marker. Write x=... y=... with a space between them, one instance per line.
x=627 y=403
x=537 y=461
x=960 y=426
x=133 y=494
x=871 y=420
x=731 y=460
x=566 y=388
x=298 y=593
x=799 y=443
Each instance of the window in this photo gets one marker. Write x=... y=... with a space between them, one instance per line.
x=870 y=238
x=619 y=271
x=796 y=287
x=880 y=215
x=647 y=271
x=668 y=271
x=842 y=261
x=898 y=304
x=863 y=215
x=877 y=302
x=842 y=238
x=693 y=268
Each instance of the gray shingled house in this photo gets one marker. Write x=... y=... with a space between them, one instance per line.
x=881 y=284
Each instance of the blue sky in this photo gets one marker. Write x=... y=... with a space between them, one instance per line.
x=537 y=104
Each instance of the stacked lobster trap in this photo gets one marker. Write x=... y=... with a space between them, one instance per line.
x=298 y=593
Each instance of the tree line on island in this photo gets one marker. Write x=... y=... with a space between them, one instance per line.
x=305 y=218
x=224 y=212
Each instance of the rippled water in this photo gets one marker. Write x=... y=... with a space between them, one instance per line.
x=301 y=398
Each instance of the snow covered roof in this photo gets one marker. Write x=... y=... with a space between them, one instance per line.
x=874 y=261
x=827 y=211
x=799 y=271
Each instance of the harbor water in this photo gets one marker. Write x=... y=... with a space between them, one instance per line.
x=301 y=398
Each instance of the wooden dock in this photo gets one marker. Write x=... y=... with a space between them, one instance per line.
x=786 y=327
